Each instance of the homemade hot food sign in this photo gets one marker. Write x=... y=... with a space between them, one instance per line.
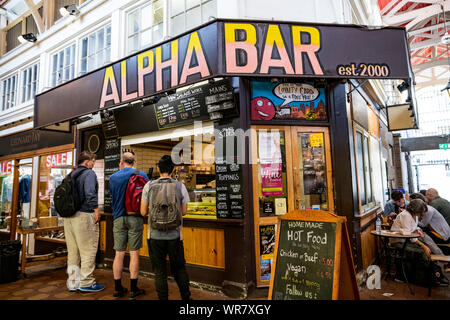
x=232 y=48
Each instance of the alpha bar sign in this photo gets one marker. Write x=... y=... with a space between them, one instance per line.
x=231 y=48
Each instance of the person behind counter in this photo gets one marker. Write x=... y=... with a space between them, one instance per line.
x=127 y=228
x=396 y=205
x=162 y=243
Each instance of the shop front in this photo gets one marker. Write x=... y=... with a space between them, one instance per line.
x=33 y=163
x=257 y=116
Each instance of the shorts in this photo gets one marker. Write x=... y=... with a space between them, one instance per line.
x=128 y=229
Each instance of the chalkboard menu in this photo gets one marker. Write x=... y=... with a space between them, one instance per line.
x=305 y=261
x=109 y=126
x=211 y=101
x=313 y=258
x=112 y=160
x=229 y=193
x=191 y=104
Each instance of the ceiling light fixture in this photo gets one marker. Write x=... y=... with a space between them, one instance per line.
x=69 y=10
x=27 y=37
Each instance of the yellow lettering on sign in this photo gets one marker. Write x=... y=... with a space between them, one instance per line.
x=248 y=45
x=274 y=38
x=309 y=49
x=109 y=80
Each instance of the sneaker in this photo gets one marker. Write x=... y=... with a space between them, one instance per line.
x=74 y=289
x=94 y=288
x=120 y=293
x=134 y=294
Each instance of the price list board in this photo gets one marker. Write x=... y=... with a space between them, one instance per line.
x=313 y=258
x=229 y=192
x=305 y=261
x=112 y=161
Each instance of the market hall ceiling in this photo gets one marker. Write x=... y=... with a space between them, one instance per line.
x=427 y=23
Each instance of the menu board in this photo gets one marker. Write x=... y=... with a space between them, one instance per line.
x=229 y=193
x=200 y=103
x=313 y=259
x=109 y=126
x=112 y=160
x=305 y=261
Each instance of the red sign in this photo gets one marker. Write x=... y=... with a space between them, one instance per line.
x=6 y=167
x=57 y=160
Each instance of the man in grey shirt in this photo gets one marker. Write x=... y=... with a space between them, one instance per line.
x=434 y=224
x=162 y=243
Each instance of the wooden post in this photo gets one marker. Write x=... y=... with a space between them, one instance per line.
x=15 y=201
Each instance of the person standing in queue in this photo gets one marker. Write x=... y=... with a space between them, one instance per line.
x=165 y=202
x=82 y=230
x=128 y=226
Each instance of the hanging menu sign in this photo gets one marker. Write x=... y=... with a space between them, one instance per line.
x=112 y=160
x=198 y=103
x=109 y=124
x=229 y=193
x=313 y=258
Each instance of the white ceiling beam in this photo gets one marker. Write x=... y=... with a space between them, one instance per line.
x=388 y=6
x=396 y=8
x=425 y=44
x=416 y=15
x=431 y=64
x=37 y=17
x=419 y=32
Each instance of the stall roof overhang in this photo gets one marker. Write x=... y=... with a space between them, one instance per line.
x=423 y=143
x=224 y=48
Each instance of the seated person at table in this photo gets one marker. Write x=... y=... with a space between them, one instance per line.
x=396 y=205
x=405 y=223
x=433 y=223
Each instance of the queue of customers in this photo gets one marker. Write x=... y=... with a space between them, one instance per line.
x=162 y=201
x=426 y=213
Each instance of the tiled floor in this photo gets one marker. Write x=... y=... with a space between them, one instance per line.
x=48 y=282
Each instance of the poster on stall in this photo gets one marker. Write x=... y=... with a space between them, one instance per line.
x=287 y=101
x=271 y=169
x=267 y=235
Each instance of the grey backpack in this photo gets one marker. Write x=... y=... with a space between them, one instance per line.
x=164 y=205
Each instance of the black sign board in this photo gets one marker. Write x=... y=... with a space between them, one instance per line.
x=112 y=160
x=109 y=126
x=313 y=258
x=33 y=140
x=229 y=193
x=178 y=109
x=232 y=48
x=305 y=261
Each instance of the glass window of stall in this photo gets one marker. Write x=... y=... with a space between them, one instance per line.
x=53 y=169
x=6 y=190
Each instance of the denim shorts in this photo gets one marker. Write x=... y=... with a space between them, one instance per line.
x=128 y=229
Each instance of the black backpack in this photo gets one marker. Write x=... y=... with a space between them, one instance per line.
x=66 y=199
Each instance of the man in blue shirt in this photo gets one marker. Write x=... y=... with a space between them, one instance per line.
x=127 y=228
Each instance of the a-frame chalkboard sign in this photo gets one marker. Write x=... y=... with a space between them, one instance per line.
x=313 y=258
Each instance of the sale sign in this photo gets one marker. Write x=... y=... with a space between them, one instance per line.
x=59 y=160
x=6 y=167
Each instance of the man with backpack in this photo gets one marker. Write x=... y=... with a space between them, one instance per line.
x=81 y=219
x=126 y=188
x=165 y=201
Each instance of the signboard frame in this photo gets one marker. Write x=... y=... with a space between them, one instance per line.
x=344 y=277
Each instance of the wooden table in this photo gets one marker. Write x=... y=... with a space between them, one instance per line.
x=25 y=233
x=386 y=235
